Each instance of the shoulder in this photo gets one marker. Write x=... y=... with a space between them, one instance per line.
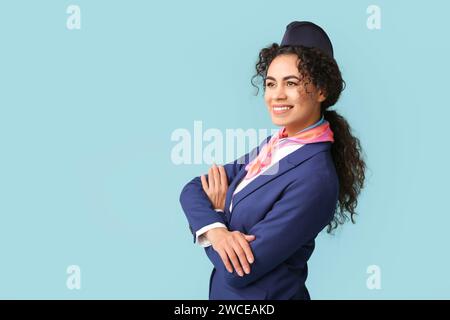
x=318 y=171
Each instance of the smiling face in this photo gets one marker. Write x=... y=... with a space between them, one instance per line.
x=289 y=104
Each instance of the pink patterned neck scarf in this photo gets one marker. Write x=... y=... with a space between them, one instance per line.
x=319 y=133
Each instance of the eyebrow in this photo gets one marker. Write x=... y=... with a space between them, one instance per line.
x=285 y=78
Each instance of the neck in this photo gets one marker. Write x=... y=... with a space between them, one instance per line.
x=292 y=130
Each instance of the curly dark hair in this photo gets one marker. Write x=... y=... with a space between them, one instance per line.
x=322 y=70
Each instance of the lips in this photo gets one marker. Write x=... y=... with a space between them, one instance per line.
x=281 y=108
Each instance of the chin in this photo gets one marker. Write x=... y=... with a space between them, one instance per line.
x=279 y=122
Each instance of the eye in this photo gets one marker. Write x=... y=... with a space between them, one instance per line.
x=269 y=84
x=291 y=83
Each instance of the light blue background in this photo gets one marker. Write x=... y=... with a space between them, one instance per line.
x=86 y=117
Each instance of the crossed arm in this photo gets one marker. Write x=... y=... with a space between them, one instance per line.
x=296 y=218
x=199 y=198
x=305 y=208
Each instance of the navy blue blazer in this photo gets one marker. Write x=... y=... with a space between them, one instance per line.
x=285 y=211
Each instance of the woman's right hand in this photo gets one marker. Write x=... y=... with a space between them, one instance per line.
x=234 y=246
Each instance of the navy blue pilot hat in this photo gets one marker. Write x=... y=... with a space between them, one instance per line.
x=308 y=34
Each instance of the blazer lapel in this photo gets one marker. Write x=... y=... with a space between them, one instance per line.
x=284 y=165
x=241 y=174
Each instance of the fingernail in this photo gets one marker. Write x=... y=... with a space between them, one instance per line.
x=241 y=274
x=250 y=260
x=247 y=271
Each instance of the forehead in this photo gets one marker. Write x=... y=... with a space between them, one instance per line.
x=283 y=64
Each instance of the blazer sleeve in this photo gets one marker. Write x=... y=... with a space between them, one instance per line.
x=195 y=202
x=304 y=209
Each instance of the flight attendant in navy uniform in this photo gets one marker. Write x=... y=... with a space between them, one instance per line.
x=257 y=217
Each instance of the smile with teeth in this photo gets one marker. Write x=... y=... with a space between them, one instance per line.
x=279 y=109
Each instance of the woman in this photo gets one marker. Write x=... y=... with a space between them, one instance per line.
x=258 y=217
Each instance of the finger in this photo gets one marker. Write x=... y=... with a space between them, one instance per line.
x=247 y=250
x=249 y=237
x=223 y=177
x=204 y=183
x=211 y=181
x=240 y=244
x=225 y=260
x=234 y=260
x=216 y=176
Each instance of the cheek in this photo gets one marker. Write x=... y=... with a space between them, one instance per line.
x=296 y=96
x=302 y=96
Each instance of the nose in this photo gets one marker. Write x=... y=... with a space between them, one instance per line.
x=279 y=93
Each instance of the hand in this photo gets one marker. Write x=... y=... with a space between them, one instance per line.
x=232 y=245
x=216 y=187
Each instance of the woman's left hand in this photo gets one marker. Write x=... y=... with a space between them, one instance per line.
x=216 y=187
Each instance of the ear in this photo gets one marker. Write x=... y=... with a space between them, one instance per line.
x=322 y=96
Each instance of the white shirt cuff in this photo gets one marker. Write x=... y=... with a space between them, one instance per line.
x=201 y=239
